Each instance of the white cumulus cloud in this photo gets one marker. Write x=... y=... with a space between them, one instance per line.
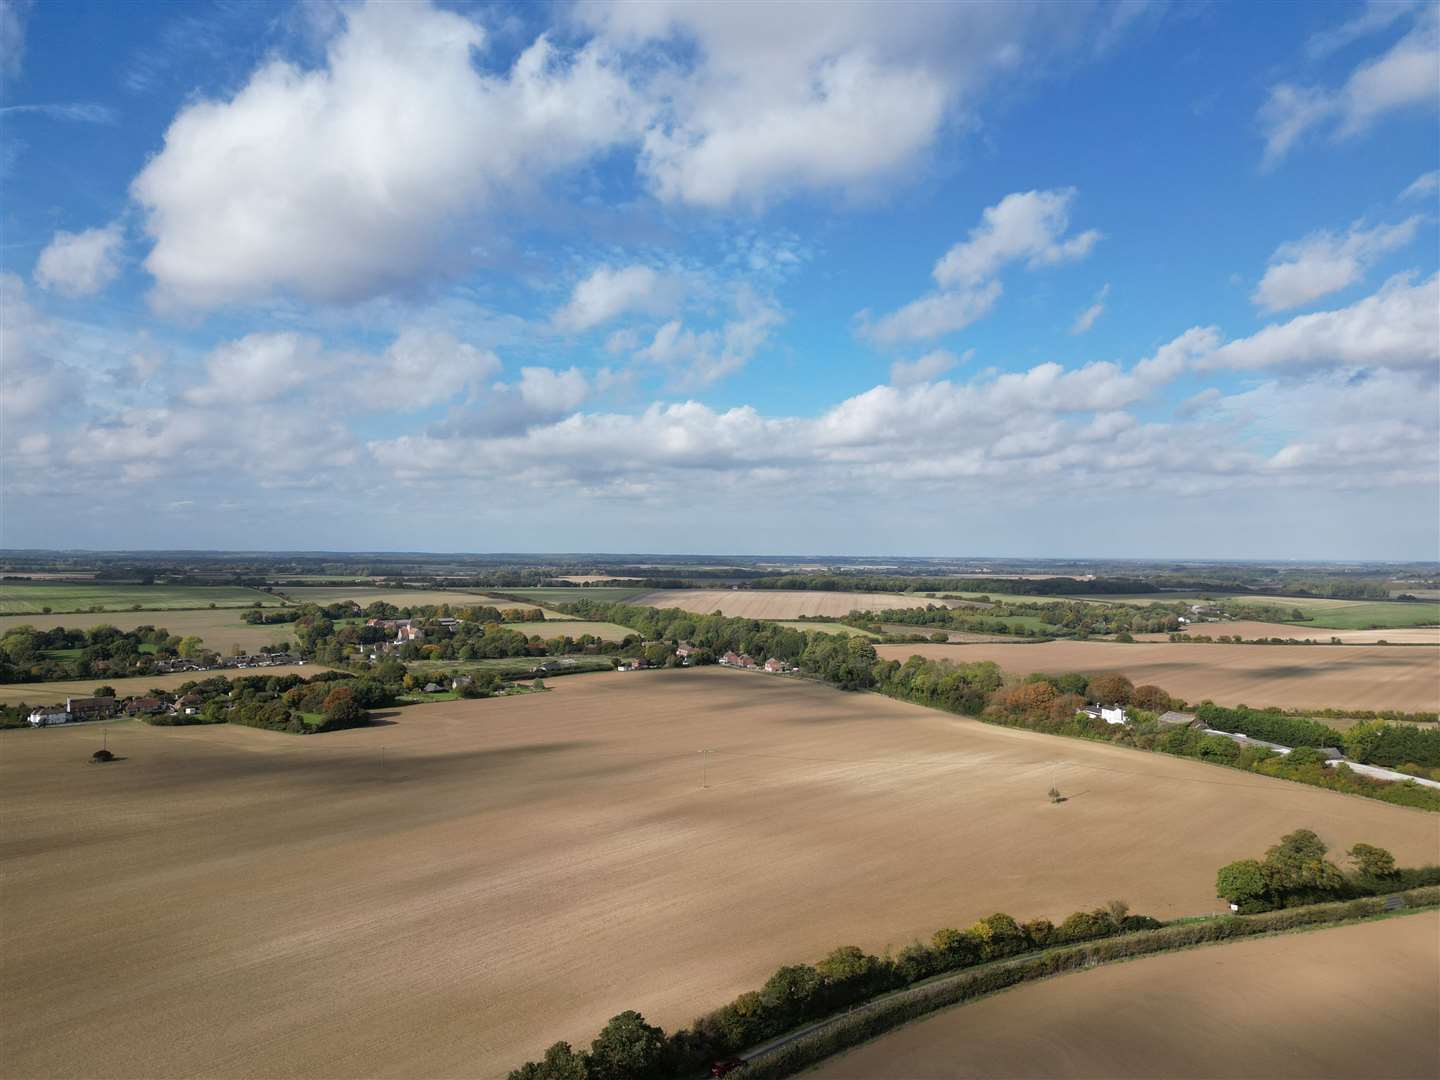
x=1402 y=77
x=1324 y=262
x=81 y=264
x=1025 y=226
x=607 y=293
x=365 y=174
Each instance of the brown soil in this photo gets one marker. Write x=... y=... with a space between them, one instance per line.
x=1358 y=1001
x=1292 y=676
x=230 y=902
x=1409 y=635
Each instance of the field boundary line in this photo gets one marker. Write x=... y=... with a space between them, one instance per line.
x=761 y=1069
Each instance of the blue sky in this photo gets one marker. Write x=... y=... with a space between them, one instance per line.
x=1111 y=280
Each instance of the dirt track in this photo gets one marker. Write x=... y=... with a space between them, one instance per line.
x=233 y=902
x=1292 y=676
x=1355 y=1002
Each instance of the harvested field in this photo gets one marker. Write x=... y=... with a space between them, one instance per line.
x=824 y=627
x=1410 y=635
x=234 y=902
x=779 y=603
x=220 y=629
x=43 y=693
x=365 y=596
x=609 y=631
x=21 y=597
x=1291 y=676
x=1351 y=1002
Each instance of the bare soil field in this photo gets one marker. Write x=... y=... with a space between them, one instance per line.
x=779 y=603
x=1351 y=1002
x=1406 y=635
x=233 y=902
x=43 y=693
x=1291 y=676
x=221 y=629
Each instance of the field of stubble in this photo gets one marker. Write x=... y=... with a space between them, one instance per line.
x=233 y=902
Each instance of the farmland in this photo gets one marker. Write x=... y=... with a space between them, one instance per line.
x=43 y=693
x=603 y=594
x=220 y=628
x=519 y=870
x=366 y=595
x=827 y=627
x=20 y=597
x=574 y=628
x=777 y=604
x=1350 y=1002
x=1291 y=676
x=1249 y=630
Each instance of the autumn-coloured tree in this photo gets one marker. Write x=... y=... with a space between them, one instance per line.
x=1111 y=688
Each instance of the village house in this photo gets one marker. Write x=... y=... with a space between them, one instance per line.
x=145 y=706
x=45 y=715
x=776 y=667
x=91 y=708
x=1111 y=714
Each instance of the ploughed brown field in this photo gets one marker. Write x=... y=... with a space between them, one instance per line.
x=1290 y=676
x=1353 y=1002
x=234 y=902
x=781 y=603
x=1408 y=635
x=45 y=693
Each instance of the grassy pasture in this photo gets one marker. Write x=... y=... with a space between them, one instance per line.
x=550 y=628
x=24 y=597
x=509 y=665
x=1354 y=1002
x=438 y=892
x=221 y=628
x=46 y=693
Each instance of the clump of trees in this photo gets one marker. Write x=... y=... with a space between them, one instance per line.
x=61 y=653
x=628 y=1048
x=1296 y=872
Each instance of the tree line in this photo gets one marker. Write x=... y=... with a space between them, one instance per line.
x=628 y=1048
x=1295 y=872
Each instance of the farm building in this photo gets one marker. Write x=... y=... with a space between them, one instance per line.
x=1177 y=719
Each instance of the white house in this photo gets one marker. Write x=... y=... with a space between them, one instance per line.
x=45 y=715
x=1111 y=714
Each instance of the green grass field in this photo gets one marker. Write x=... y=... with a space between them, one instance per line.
x=59 y=597
x=574 y=628
x=1378 y=615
